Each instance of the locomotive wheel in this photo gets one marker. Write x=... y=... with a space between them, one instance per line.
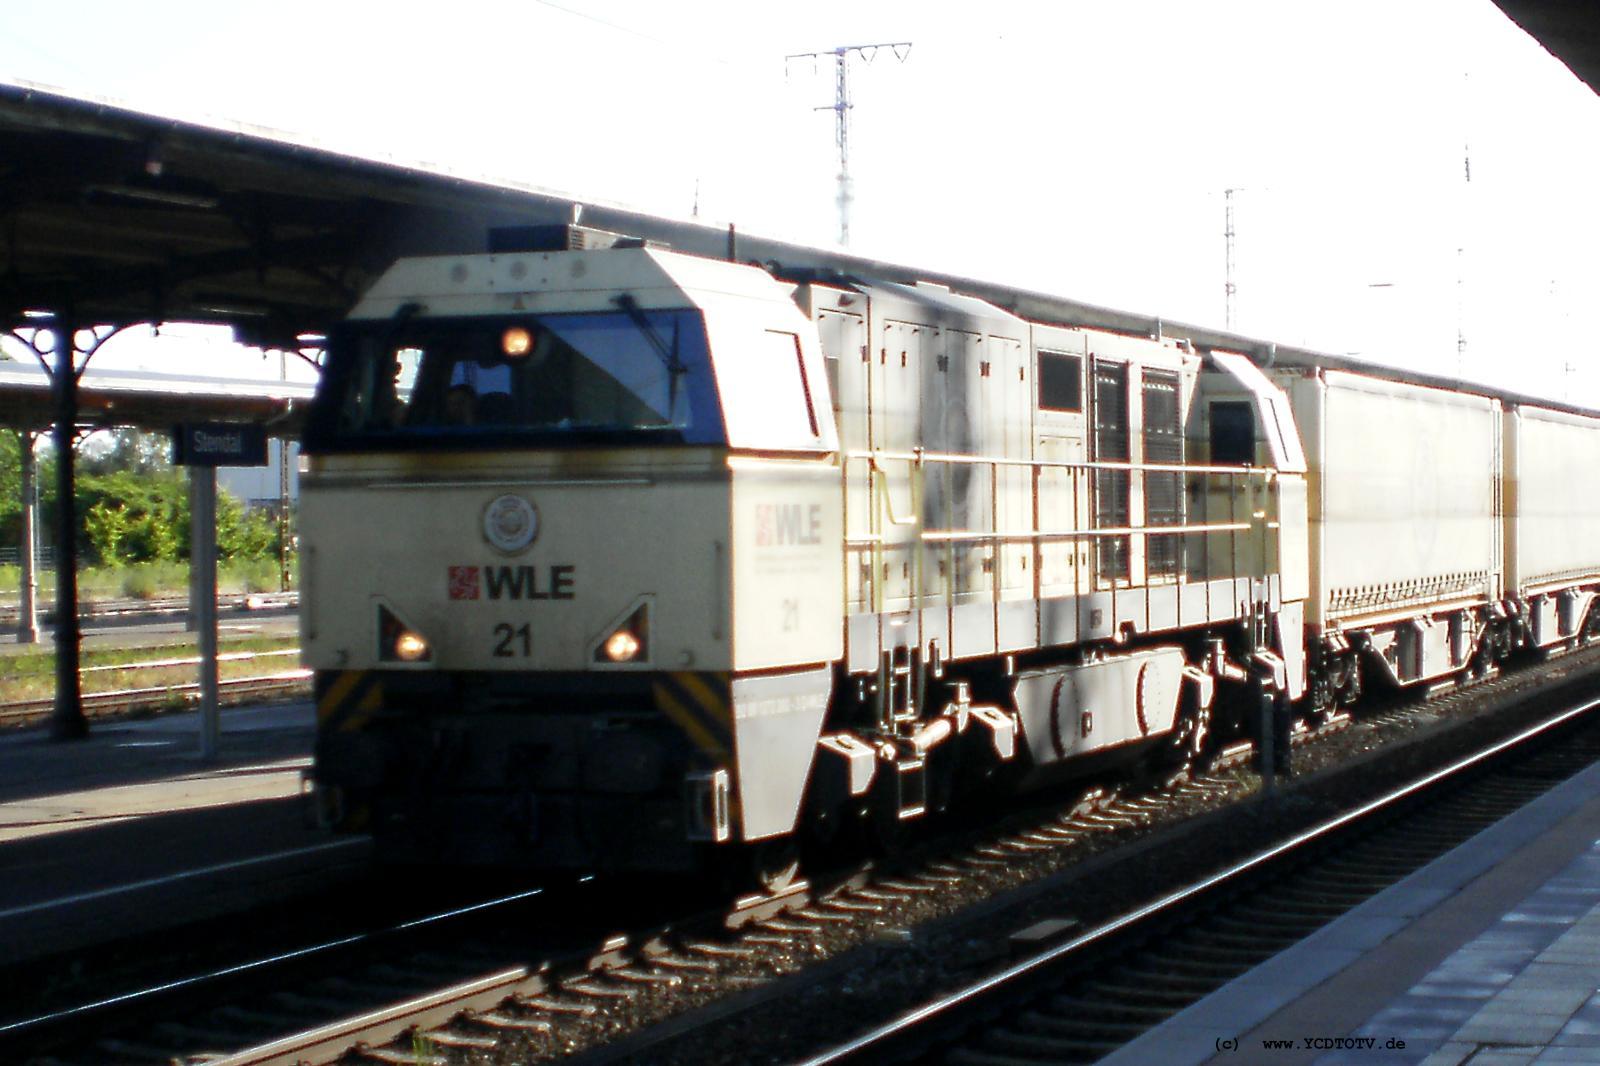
x=1190 y=740
x=775 y=864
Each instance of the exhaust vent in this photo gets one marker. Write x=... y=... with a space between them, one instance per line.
x=563 y=237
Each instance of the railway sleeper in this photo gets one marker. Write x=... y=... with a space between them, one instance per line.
x=454 y=1038
x=1254 y=942
x=1319 y=895
x=316 y=1005
x=967 y=1056
x=365 y=988
x=550 y=1005
x=1192 y=982
x=1322 y=888
x=1034 y=1026
x=192 y=1036
x=1132 y=1012
x=1273 y=915
x=639 y=975
x=1413 y=844
x=589 y=986
x=419 y=976
x=895 y=884
x=1345 y=875
x=1112 y=989
x=1103 y=1013
x=264 y=1020
x=393 y=1057
x=1263 y=924
x=1186 y=971
x=1191 y=947
x=1052 y=1049
x=499 y=1019
x=672 y=960
x=127 y=1051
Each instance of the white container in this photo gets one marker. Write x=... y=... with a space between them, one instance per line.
x=1552 y=526
x=1404 y=486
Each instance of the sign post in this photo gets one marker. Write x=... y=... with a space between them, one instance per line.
x=204 y=446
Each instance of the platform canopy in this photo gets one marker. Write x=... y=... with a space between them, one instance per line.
x=1568 y=29
x=121 y=216
x=149 y=400
x=126 y=217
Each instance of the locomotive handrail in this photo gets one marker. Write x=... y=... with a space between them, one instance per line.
x=1061 y=534
x=888 y=503
x=891 y=530
x=1103 y=531
x=1265 y=472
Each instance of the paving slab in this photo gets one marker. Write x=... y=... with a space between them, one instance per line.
x=1488 y=955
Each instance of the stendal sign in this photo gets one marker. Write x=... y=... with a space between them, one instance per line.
x=219 y=444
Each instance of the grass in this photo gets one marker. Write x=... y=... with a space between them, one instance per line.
x=149 y=581
x=31 y=675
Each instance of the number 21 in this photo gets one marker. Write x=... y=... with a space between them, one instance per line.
x=507 y=634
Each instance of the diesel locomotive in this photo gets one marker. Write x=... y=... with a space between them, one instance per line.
x=616 y=558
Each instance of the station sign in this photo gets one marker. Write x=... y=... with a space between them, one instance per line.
x=219 y=444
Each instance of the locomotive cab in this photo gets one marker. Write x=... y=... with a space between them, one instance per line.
x=574 y=575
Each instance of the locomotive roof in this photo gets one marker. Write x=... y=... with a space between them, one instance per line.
x=482 y=283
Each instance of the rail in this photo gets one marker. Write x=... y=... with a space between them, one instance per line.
x=905 y=1036
x=123 y=608
x=281 y=683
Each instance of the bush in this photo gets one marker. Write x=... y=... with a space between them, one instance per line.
x=244 y=534
x=146 y=581
x=139 y=583
x=129 y=518
x=252 y=575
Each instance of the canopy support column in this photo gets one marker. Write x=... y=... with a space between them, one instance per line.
x=27 y=543
x=67 y=721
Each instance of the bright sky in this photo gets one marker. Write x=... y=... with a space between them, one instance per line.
x=1077 y=148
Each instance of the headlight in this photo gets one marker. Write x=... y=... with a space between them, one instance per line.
x=516 y=342
x=410 y=647
x=398 y=642
x=621 y=646
x=629 y=642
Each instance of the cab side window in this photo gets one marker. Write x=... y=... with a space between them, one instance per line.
x=1233 y=434
x=787 y=368
x=1060 y=382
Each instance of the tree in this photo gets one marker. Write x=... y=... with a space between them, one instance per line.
x=10 y=485
x=130 y=449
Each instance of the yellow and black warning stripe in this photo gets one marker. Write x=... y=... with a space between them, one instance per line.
x=700 y=704
x=346 y=699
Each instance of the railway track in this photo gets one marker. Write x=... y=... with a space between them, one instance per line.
x=91 y=610
x=515 y=997
x=265 y=686
x=1082 y=999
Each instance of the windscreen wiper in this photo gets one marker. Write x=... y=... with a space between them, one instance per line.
x=668 y=353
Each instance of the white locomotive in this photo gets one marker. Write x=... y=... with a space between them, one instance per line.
x=620 y=558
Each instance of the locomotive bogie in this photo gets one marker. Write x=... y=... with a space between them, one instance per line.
x=1105 y=703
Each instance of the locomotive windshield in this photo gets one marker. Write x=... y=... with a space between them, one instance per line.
x=409 y=382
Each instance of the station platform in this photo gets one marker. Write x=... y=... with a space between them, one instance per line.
x=1488 y=956
x=129 y=830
